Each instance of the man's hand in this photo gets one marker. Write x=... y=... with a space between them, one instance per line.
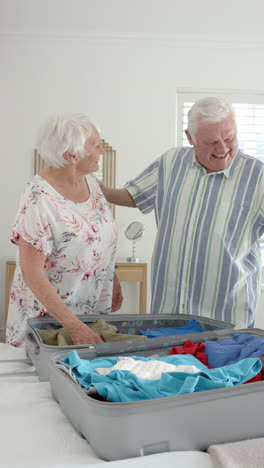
x=117 y=294
x=117 y=196
x=101 y=184
x=82 y=334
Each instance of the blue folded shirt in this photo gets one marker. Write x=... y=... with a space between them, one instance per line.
x=190 y=327
x=231 y=350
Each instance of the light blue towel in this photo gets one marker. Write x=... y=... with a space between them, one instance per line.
x=190 y=327
x=124 y=386
x=224 y=352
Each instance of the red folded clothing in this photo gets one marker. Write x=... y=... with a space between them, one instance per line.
x=197 y=350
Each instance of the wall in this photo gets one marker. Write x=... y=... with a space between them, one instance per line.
x=126 y=82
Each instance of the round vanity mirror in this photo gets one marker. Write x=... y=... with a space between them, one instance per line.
x=134 y=232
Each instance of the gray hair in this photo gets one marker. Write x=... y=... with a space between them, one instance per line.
x=208 y=110
x=64 y=133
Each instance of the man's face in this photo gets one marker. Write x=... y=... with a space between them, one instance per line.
x=215 y=144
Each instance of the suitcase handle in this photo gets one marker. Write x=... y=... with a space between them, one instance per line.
x=31 y=343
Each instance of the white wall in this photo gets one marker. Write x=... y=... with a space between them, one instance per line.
x=126 y=82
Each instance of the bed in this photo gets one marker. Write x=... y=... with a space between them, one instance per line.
x=35 y=432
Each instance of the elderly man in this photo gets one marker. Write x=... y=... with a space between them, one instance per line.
x=209 y=208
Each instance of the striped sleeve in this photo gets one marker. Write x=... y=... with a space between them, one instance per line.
x=143 y=188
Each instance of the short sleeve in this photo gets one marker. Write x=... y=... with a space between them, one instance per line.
x=31 y=221
x=143 y=188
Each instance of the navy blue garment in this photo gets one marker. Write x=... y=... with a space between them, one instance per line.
x=190 y=327
x=224 y=352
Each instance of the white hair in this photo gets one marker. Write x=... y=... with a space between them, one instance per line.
x=64 y=133
x=208 y=110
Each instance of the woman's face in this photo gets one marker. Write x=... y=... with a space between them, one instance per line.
x=93 y=150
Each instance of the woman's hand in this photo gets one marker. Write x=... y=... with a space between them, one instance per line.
x=82 y=334
x=117 y=294
x=32 y=266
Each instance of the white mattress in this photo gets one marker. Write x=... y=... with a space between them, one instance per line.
x=35 y=432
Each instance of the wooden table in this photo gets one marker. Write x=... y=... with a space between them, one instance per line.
x=135 y=272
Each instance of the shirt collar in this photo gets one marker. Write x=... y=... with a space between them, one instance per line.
x=228 y=172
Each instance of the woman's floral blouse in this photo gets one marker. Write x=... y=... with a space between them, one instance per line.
x=79 y=242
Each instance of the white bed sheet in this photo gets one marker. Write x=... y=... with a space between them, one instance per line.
x=35 y=432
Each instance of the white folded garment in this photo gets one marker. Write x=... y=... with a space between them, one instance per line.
x=148 y=370
x=244 y=454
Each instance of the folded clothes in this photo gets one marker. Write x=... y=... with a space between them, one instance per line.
x=231 y=350
x=195 y=349
x=55 y=337
x=124 y=386
x=108 y=333
x=190 y=327
x=198 y=350
x=152 y=369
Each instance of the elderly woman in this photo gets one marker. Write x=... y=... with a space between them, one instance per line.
x=66 y=236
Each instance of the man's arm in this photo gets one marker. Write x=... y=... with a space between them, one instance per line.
x=118 y=196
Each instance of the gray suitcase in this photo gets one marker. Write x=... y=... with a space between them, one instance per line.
x=183 y=422
x=39 y=353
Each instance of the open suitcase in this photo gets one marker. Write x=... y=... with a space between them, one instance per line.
x=183 y=422
x=39 y=353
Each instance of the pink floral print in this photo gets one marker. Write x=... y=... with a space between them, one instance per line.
x=79 y=242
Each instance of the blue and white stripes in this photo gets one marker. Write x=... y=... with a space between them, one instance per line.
x=206 y=259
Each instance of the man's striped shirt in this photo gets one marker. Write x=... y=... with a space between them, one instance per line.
x=206 y=259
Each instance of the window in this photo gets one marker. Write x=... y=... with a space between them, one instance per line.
x=249 y=109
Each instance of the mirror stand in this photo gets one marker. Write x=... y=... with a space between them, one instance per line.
x=134 y=259
x=134 y=232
